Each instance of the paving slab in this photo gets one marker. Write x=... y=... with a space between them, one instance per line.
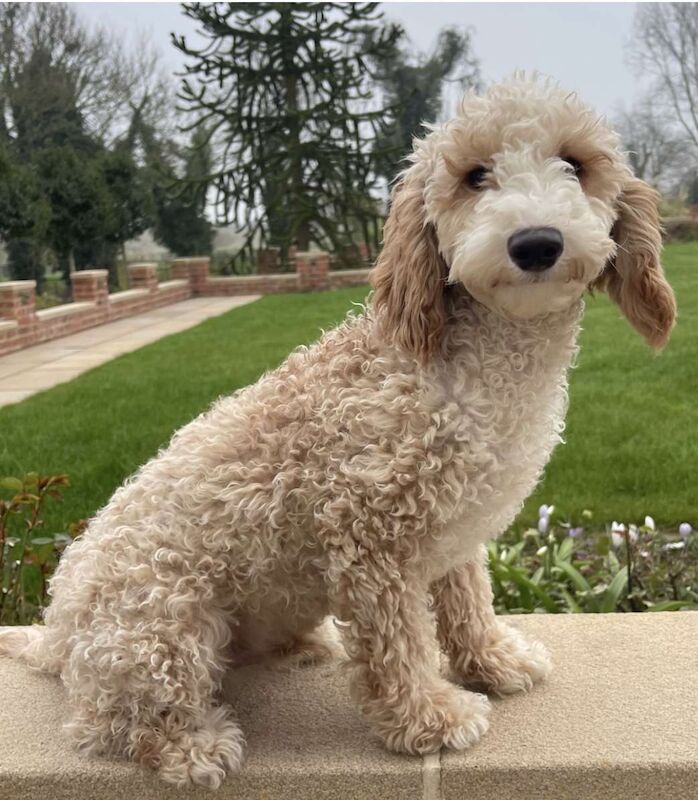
x=37 y=368
x=618 y=720
x=8 y=397
x=305 y=741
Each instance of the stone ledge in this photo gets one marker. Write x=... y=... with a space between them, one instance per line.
x=128 y=294
x=618 y=719
x=29 y=284
x=222 y=280
x=174 y=284
x=8 y=325
x=350 y=273
x=64 y=310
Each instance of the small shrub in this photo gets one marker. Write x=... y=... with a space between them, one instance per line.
x=28 y=554
x=680 y=229
x=227 y=262
x=559 y=567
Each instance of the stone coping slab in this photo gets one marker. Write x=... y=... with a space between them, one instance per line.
x=289 y=277
x=173 y=284
x=617 y=720
x=128 y=294
x=28 y=284
x=63 y=310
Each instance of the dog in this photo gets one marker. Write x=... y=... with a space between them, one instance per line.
x=362 y=478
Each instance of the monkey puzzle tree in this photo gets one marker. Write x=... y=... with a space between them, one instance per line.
x=284 y=91
x=414 y=88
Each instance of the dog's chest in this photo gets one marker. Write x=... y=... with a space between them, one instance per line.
x=503 y=412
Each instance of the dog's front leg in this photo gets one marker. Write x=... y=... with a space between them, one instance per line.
x=484 y=650
x=389 y=634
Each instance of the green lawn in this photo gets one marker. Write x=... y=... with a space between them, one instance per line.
x=631 y=436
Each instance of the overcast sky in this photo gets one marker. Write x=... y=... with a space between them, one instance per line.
x=583 y=45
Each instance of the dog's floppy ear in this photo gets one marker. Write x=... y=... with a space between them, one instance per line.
x=409 y=278
x=633 y=277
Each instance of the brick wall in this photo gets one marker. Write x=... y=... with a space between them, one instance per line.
x=21 y=325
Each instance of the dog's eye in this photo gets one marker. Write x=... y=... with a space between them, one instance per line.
x=475 y=179
x=575 y=167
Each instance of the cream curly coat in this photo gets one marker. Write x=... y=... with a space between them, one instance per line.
x=362 y=477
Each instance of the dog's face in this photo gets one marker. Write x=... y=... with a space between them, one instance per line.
x=526 y=200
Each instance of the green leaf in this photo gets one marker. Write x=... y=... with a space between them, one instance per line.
x=572 y=604
x=574 y=575
x=613 y=592
x=13 y=484
x=565 y=549
x=672 y=605
x=530 y=587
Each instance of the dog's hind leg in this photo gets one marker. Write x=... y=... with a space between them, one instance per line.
x=34 y=645
x=311 y=647
x=149 y=693
x=484 y=651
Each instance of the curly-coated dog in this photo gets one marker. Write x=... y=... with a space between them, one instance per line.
x=363 y=476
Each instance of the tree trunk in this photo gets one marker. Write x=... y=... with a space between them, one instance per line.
x=300 y=232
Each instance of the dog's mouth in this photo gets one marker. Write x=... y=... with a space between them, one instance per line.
x=570 y=272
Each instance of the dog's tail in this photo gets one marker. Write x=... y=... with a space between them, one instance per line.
x=29 y=644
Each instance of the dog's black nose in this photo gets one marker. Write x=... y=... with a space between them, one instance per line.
x=535 y=249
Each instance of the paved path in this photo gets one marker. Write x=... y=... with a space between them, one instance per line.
x=34 y=369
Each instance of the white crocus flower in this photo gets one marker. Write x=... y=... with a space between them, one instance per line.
x=649 y=523
x=543 y=523
x=632 y=533
x=617 y=533
x=674 y=546
x=685 y=530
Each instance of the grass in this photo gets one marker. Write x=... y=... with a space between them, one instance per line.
x=101 y=426
x=631 y=428
x=633 y=417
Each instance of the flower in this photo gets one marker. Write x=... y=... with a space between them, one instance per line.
x=685 y=530
x=674 y=546
x=618 y=531
x=617 y=539
x=543 y=523
x=649 y=523
x=543 y=511
x=542 y=550
x=632 y=533
x=574 y=532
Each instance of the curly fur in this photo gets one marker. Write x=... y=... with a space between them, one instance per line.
x=364 y=475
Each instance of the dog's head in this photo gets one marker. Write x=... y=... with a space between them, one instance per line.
x=525 y=200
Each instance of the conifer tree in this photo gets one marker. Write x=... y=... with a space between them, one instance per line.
x=285 y=92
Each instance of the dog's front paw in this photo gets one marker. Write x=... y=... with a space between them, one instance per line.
x=448 y=717
x=508 y=662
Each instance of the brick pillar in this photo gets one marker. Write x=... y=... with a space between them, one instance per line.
x=291 y=256
x=194 y=269
x=180 y=269
x=143 y=276
x=268 y=260
x=312 y=269
x=364 y=252
x=18 y=302
x=90 y=286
